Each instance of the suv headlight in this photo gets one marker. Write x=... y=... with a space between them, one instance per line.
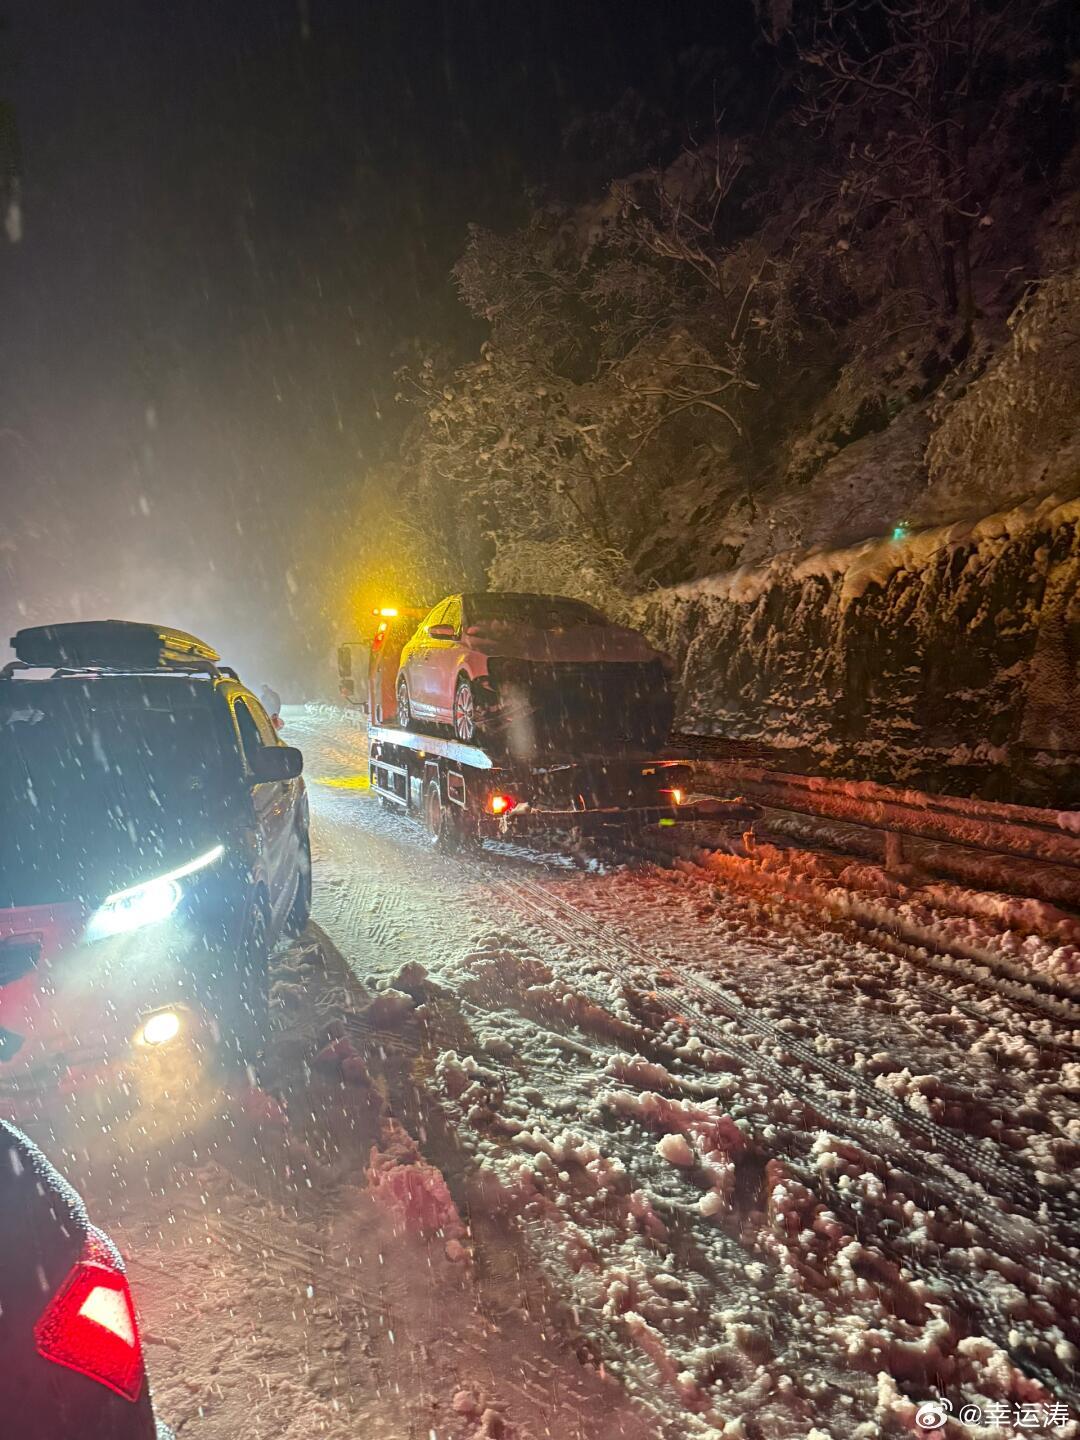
x=147 y=903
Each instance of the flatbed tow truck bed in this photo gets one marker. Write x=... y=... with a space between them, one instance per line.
x=465 y=792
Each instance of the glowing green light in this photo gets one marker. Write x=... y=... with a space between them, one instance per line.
x=900 y=532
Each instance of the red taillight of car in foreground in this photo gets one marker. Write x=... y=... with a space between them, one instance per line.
x=90 y=1325
x=501 y=804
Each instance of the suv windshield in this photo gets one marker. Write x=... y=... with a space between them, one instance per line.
x=541 y=612
x=102 y=783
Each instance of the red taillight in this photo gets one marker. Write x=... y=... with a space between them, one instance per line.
x=90 y=1325
x=500 y=804
x=380 y=636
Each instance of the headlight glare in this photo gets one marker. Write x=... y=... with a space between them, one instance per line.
x=147 y=903
x=159 y=1028
x=144 y=905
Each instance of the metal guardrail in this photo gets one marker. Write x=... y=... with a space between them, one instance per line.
x=1025 y=833
x=1037 y=851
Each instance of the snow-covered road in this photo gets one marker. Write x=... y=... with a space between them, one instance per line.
x=783 y=1164
x=756 y=1142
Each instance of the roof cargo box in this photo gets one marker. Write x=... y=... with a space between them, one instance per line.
x=111 y=645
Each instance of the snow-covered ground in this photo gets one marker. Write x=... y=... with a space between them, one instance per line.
x=760 y=1142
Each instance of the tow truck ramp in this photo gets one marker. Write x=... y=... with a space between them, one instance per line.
x=466 y=793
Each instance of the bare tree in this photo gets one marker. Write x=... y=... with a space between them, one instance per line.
x=918 y=97
x=706 y=335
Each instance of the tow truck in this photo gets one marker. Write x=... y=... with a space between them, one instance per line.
x=464 y=794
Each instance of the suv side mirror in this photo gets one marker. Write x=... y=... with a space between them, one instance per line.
x=276 y=762
x=442 y=632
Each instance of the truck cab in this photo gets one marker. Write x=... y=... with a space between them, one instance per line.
x=368 y=666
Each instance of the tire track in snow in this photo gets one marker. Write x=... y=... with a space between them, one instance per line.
x=575 y=927
x=927 y=949
x=1018 y=1338
x=431 y=887
x=1031 y=1006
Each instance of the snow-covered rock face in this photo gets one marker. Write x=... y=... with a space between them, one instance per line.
x=931 y=652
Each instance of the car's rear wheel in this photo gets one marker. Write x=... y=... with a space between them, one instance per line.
x=465 y=712
x=404 y=705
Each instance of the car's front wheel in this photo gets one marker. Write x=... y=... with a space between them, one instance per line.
x=243 y=1007
x=404 y=705
x=465 y=713
x=300 y=910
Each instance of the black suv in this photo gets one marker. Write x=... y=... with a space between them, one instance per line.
x=154 y=848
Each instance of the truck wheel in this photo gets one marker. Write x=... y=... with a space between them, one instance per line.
x=404 y=708
x=440 y=823
x=465 y=725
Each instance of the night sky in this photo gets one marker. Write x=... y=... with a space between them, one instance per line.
x=238 y=219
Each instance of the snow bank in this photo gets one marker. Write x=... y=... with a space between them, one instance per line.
x=411 y=1189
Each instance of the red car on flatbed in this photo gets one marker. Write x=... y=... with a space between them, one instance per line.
x=532 y=673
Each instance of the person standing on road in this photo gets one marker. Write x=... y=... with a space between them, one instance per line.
x=271 y=703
